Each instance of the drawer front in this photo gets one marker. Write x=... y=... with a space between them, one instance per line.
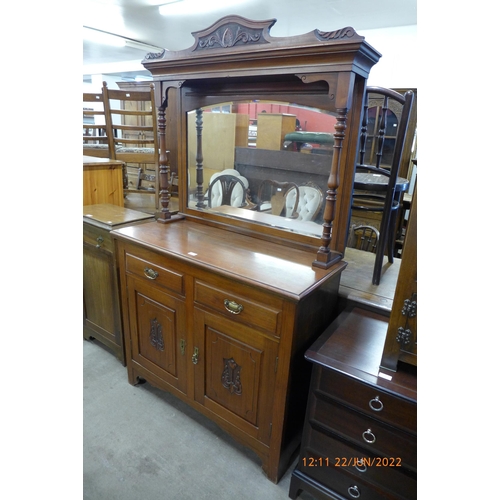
x=344 y=484
x=370 y=400
x=374 y=436
x=153 y=273
x=322 y=450
x=97 y=237
x=240 y=307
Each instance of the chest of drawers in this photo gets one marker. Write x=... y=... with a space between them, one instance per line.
x=360 y=434
x=222 y=322
x=101 y=304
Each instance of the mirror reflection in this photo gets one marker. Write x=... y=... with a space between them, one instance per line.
x=265 y=162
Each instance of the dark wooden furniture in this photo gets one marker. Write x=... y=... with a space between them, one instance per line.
x=273 y=195
x=101 y=302
x=401 y=341
x=360 y=434
x=373 y=179
x=226 y=184
x=132 y=128
x=102 y=181
x=221 y=303
x=364 y=238
x=222 y=321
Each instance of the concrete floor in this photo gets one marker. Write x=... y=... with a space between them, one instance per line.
x=140 y=443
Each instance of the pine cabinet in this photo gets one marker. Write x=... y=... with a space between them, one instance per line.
x=101 y=302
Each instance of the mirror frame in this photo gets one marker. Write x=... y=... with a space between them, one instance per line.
x=237 y=57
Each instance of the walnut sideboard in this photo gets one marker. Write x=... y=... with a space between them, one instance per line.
x=222 y=320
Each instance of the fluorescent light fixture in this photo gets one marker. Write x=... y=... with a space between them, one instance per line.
x=102 y=37
x=105 y=38
x=187 y=7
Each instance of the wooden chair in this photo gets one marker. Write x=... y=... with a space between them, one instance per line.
x=272 y=197
x=364 y=238
x=132 y=128
x=310 y=202
x=377 y=187
x=227 y=189
x=95 y=139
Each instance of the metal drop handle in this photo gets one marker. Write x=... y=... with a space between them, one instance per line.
x=100 y=241
x=150 y=273
x=354 y=491
x=369 y=437
x=375 y=404
x=360 y=465
x=232 y=306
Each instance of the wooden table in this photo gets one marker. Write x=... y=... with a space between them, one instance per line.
x=102 y=181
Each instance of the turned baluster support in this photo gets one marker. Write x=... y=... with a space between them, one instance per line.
x=164 y=169
x=199 y=159
x=325 y=257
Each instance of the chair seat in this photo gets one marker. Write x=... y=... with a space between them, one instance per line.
x=368 y=181
x=146 y=151
x=95 y=146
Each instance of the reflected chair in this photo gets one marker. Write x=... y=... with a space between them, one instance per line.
x=377 y=187
x=272 y=197
x=364 y=238
x=227 y=188
x=132 y=128
x=95 y=139
x=310 y=202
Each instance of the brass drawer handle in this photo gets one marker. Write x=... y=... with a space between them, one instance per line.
x=100 y=241
x=194 y=359
x=354 y=491
x=232 y=306
x=150 y=273
x=375 y=404
x=368 y=436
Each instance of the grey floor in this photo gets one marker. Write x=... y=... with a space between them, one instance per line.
x=140 y=443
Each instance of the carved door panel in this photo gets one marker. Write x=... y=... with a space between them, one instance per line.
x=158 y=333
x=235 y=372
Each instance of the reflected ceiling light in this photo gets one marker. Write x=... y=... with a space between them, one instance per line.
x=187 y=7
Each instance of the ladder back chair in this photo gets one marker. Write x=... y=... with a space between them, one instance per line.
x=95 y=138
x=132 y=128
x=377 y=186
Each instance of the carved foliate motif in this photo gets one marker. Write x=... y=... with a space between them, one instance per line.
x=156 y=335
x=230 y=35
x=155 y=55
x=336 y=35
x=231 y=376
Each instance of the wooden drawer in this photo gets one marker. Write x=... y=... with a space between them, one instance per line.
x=97 y=237
x=374 y=436
x=372 y=401
x=372 y=469
x=239 y=307
x=153 y=273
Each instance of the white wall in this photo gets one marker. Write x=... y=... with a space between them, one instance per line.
x=397 y=68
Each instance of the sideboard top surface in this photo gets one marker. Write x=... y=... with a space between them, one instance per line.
x=112 y=216
x=278 y=268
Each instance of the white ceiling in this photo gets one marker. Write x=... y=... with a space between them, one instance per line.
x=140 y=20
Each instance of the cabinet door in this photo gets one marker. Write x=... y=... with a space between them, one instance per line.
x=158 y=333
x=235 y=373
x=100 y=297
